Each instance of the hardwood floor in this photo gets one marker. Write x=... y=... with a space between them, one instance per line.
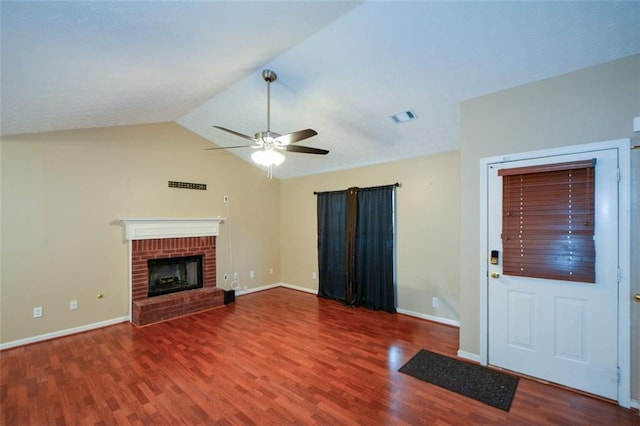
x=273 y=357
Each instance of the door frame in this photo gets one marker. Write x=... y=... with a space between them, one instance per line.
x=624 y=250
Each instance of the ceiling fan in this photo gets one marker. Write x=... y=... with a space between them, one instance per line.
x=270 y=145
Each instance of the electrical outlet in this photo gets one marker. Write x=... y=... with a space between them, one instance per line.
x=225 y=277
x=236 y=276
x=314 y=276
x=37 y=312
x=270 y=271
x=435 y=302
x=73 y=305
x=226 y=198
x=252 y=274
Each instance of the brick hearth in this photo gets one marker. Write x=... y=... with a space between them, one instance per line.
x=146 y=310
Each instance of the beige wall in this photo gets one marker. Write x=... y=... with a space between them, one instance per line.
x=590 y=105
x=427 y=228
x=62 y=193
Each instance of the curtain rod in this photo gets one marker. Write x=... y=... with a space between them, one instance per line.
x=397 y=185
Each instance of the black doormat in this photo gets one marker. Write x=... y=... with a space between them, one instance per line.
x=474 y=381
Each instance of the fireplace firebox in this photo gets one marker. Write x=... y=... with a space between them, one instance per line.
x=170 y=275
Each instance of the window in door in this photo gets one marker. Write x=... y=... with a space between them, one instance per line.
x=548 y=221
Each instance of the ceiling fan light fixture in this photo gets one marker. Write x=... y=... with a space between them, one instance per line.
x=267 y=157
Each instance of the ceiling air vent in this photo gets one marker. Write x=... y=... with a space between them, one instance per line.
x=404 y=116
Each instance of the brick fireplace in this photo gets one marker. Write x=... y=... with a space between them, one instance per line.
x=153 y=239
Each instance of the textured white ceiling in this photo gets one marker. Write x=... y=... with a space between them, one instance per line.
x=343 y=67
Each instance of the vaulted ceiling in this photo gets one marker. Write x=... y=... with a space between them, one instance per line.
x=344 y=67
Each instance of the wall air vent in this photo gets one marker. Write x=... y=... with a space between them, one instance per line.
x=404 y=116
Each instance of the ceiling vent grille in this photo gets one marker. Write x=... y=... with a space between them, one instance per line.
x=404 y=116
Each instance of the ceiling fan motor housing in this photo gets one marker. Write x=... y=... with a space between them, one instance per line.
x=267 y=136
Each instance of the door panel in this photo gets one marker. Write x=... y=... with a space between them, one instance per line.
x=571 y=320
x=522 y=321
x=561 y=331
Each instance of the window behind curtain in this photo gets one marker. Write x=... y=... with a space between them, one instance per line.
x=548 y=221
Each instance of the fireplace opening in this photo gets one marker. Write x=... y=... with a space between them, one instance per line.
x=174 y=274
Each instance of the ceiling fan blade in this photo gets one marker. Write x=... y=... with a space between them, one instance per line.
x=295 y=136
x=305 y=149
x=233 y=132
x=230 y=147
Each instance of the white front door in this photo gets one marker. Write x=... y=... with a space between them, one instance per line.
x=561 y=331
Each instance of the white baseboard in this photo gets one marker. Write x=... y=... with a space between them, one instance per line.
x=635 y=404
x=61 y=333
x=469 y=356
x=295 y=287
x=433 y=318
x=275 y=285
x=256 y=289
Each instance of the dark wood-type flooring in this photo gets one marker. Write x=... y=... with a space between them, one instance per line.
x=274 y=357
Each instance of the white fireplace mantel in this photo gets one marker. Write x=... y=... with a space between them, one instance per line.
x=147 y=228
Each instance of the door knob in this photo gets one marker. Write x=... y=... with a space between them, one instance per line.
x=636 y=297
x=495 y=275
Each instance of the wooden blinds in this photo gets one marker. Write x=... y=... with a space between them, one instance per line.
x=548 y=221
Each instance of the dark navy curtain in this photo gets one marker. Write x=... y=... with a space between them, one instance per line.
x=332 y=245
x=375 y=276
x=356 y=246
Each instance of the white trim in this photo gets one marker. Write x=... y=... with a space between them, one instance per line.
x=469 y=356
x=130 y=271
x=275 y=285
x=484 y=271
x=433 y=318
x=624 y=249
x=62 y=333
x=146 y=228
x=296 y=287
x=256 y=289
x=624 y=263
x=635 y=404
